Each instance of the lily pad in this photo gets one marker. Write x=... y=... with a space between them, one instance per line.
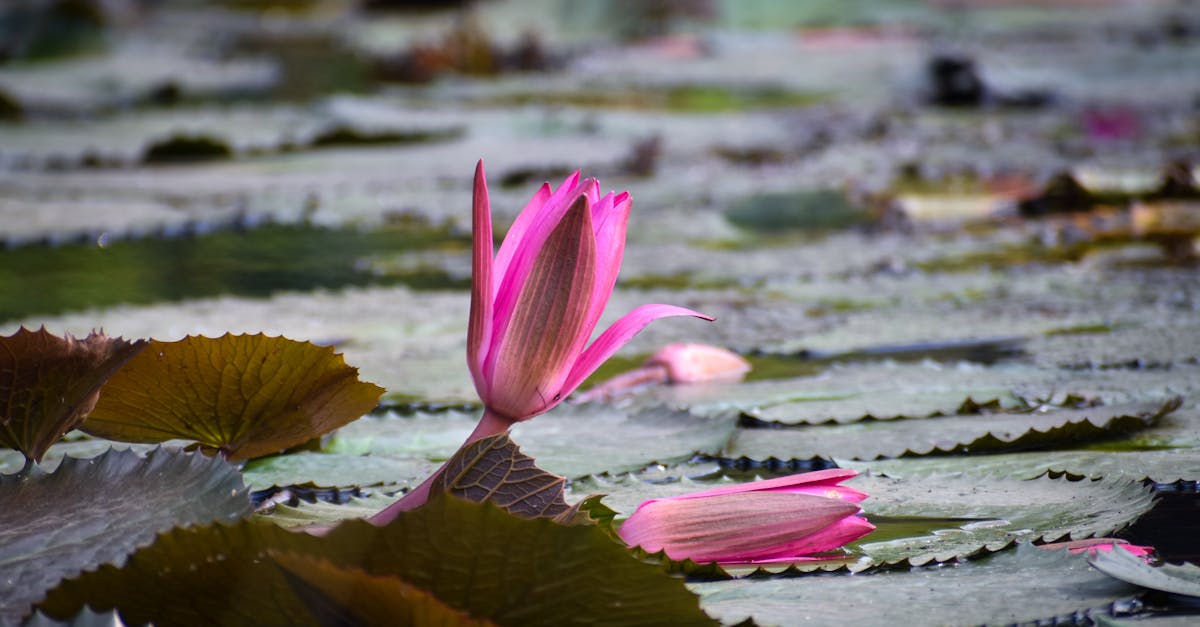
x=1049 y=584
x=48 y=384
x=472 y=557
x=1125 y=566
x=1165 y=466
x=337 y=470
x=571 y=440
x=950 y=434
x=243 y=395
x=576 y=441
x=90 y=512
x=340 y=595
x=994 y=513
x=321 y=513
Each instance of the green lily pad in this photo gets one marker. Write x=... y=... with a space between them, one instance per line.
x=571 y=440
x=1048 y=584
x=580 y=440
x=994 y=513
x=322 y=513
x=950 y=434
x=337 y=470
x=1125 y=566
x=1164 y=466
x=243 y=395
x=472 y=557
x=48 y=384
x=90 y=512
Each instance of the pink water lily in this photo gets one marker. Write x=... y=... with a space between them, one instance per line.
x=778 y=520
x=536 y=302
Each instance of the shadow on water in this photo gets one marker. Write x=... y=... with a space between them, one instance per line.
x=47 y=279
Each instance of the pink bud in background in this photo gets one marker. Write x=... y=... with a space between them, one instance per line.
x=675 y=363
x=778 y=520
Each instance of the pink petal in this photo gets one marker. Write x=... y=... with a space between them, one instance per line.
x=545 y=333
x=516 y=232
x=831 y=538
x=610 y=221
x=616 y=336
x=479 y=326
x=816 y=483
x=524 y=256
x=733 y=527
x=698 y=363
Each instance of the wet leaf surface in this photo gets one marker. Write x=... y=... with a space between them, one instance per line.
x=990 y=432
x=1174 y=578
x=1050 y=584
x=245 y=395
x=58 y=524
x=473 y=558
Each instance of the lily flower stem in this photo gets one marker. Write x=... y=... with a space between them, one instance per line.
x=490 y=424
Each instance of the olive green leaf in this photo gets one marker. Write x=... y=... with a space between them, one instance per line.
x=243 y=395
x=496 y=471
x=48 y=384
x=339 y=595
x=473 y=558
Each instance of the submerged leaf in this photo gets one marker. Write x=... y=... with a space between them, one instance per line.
x=48 y=384
x=90 y=512
x=474 y=558
x=244 y=395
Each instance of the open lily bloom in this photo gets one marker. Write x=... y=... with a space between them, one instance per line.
x=536 y=302
x=786 y=519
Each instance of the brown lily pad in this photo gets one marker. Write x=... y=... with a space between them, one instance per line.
x=48 y=384
x=243 y=395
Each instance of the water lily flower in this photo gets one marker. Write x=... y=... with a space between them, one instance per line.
x=536 y=302
x=675 y=363
x=786 y=519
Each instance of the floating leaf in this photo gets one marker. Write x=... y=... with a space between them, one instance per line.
x=986 y=514
x=244 y=395
x=950 y=434
x=883 y=405
x=1164 y=466
x=336 y=470
x=1048 y=584
x=48 y=384
x=96 y=511
x=1123 y=565
x=348 y=596
x=471 y=557
x=321 y=513
x=494 y=470
x=570 y=440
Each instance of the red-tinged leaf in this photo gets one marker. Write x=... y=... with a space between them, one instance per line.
x=339 y=595
x=495 y=470
x=48 y=384
x=244 y=395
